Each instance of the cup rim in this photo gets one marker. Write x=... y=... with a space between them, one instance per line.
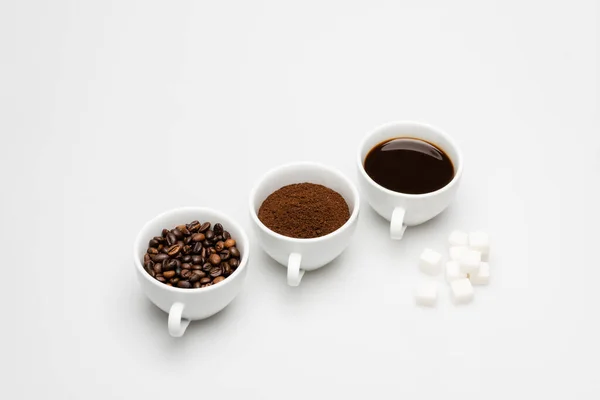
x=455 y=147
x=138 y=246
x=335 y=171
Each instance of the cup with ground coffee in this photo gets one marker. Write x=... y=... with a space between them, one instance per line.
x=409 y=172
x=304 y=215
x=191 y=263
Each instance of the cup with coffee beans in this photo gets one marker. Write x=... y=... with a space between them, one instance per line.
x=191 y=263
x=409 y=172
x=304 y=215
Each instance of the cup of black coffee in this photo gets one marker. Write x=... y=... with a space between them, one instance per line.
x=409 y=172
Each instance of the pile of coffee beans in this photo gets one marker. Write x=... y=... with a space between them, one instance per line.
x=192 y=256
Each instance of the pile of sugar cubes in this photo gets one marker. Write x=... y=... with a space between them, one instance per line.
x=468 y=266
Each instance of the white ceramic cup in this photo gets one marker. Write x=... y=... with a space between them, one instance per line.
x=402 y=209
x=300 y=255
x=184 y=305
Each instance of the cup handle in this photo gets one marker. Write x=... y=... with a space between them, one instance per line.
x=177 y=325
x=397 y=226
x=294 y=273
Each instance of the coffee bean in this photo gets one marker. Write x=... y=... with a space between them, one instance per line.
x=183 y=229
x=169 y=274
x=148 y=265
x=214 y=259
x=234 y=263
x=206 y=243
x=204 y=252
x=229 y=243
x=186 y=259
x=187 y=240
x=173 y=250
x=216 y=271
x=197 y=248
x=178 y=271
x=186 y=273
x=210 y=235
x=177 y=263
x=193 y=226
x=197 y=267
x=153 y=243
x=160 y=257
x=225 y=254
x=164 y=249
x=234 y=252
x=171 y=239
x=197 y=285
x=204 y=227
x=186 y=266
x=195 y=276
x=152 y=273
x=174 y=280
x=187 y=249
x=218 y=228
x=178 y=234
x=146 y=258
x=205 y=280
x=159 y=239
x=219 y=246
x=158 y=268
x=196 y=259
x=160 y=247
x=211 y=250
x=184 y=284
x=165 y=232
x=218 y=279
x=152 y=251
x=161 y=278
x=226 y=268
x=219 y=238
x=198 y=237
x=226 y=235
x=169 y=265
x=206 y=267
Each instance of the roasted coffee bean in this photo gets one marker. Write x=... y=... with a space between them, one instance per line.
x=193 y=226
x=153 y=243
x=211 y=250
x=152 y=251
x=187 y=240
x=178 y=234
x=158 y=268
x=160 y=247
x=210 y=235
x=214 y=259
x=205 y=226
x=197 y=285
x=183 y=229
x=186 y=273
x=196 y=277
x=186 y=266
x=177 y=264
x=205 y=280
x=178 y=271
x=169 y=265
x=229 y=243
x=204 y=252
x=206 y=267
x=146 y=258
x=206 y=243
x=225 y=255
x=173 y=250
x=152 y=273
x=148 y=265
x=186 y=259
x=159 y=239
x=218 y=279
x=197 y=248
x=226 y=268
x=219 y=246
x=198 y=237
x=197 y=267
x=234 y=263
x=226 y=235
x=218 y=229
x=169 y=274
x=174 y=280
x=171 y=239
x=164 y=232
x=234 y=252
x=216 y=271
x=196 y=259
x=187 y=249
x=160 y=257
x=161 y=278
x=184 y=284
x=165 y=249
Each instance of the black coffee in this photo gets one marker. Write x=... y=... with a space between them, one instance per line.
x=410 y=166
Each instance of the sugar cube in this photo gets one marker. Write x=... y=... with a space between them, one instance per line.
x=426 y=294
x=456 y=252
x=482 y=276
x=458 y=238
x=462 y=291
x=430 y=262
x=480 y=241
x=453 y=271
x=469 y=261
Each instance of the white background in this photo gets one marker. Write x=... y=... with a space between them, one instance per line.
x=114 y=111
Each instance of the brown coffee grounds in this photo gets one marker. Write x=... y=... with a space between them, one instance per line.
x=304 y=210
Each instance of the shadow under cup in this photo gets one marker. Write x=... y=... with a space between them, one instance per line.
x=315 y=252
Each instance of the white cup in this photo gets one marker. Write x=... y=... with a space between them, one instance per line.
x=300 y=255
x=184 y=305
x=402 y=209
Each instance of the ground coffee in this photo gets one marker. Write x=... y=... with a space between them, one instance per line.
x=304 y=210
